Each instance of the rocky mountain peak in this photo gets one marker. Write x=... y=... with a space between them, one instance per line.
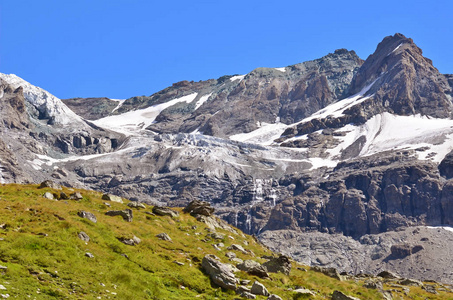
x=403 y=81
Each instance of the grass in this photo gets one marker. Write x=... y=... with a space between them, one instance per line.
x=45 y=259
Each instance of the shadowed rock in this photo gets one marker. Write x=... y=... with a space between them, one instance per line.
x=197 y=207
x=49 y=184
x=278 y=264
x=126 y=214
x=165 y=211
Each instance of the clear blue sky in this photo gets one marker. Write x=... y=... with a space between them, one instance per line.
x=120 y=49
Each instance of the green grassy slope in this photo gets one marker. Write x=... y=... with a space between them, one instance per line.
x=41 y=256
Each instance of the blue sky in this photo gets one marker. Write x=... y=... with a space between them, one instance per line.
x=120 y=49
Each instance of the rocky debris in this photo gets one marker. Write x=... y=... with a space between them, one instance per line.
x=304 y=292
x=163 y=236
x=197 y=207
x=259 y=289
x=83 y=236
x=337 y=295
x=76 y=196
x=274 y=297
x=247 y=295
x=213 y=223
x=87 y=215
x=373 y=284
x=89 y=255
x=126 y=214
x=165 y=211
x=48 y=195
x=219 y=273
x=253 y=268
x=49 y=184
x=130 y=241
x=331 y=272
x=137 y=205
x=111 y=197
x=278 y=264
x=403 y=250
x=230 y=255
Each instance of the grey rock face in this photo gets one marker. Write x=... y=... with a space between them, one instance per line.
x=219 y=273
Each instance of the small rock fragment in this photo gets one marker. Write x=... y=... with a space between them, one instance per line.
x=87 y=215
x=164 y=236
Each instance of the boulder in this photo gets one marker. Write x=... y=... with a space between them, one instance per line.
x=247 y=295
x=87 y=215
x=83 y=236
x=165 y=211
x=259 y=289
x=197 y=207
x=239 y=248
x=219 y=273
x=403 y=250
x=215 y=236
x=76 y=196
x=49 y=184
x=279 y=264
x=274 y=297
x=126 y=214
x=130 y=241
x=88 y=254
x=253 y=268
x=111 y=197
x=337 y=295
x=304 y=292
x=48 y=195
x=137 y=205
x=163 y=236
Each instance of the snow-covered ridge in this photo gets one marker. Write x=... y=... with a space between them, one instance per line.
x=135 y=121
x=44 y=101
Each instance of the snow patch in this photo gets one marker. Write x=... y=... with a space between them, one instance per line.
x=448 y=228
x=120 y=103
x=265 y=135
x=281 y=69
x=134 y=121
x=237 y=77
x=397 y=47
x=202 y=100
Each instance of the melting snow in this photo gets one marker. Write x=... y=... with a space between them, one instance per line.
x=448 y=228
x=137 y=120
x=120 y=103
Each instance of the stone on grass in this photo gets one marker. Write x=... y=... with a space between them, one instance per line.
x=163 y=236
x=83 y=236
x=126 y=214
x=48 y=195
x=303 y=291
x=278 y=264
x=88 y=254
x=197 y=207
x=219 y=273
x=274 y=297
x=111 y=197
x=253 y=268
x=87 y=215
x=337 y=295
x=165 y=211
x=130 y=241
x=76 y=196
x=259 y=289
x=137 y=205
x=49 y=184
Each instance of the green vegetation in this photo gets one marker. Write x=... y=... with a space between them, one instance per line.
x=45 y=259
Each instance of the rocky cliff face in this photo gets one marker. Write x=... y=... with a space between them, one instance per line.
x=333 y=146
